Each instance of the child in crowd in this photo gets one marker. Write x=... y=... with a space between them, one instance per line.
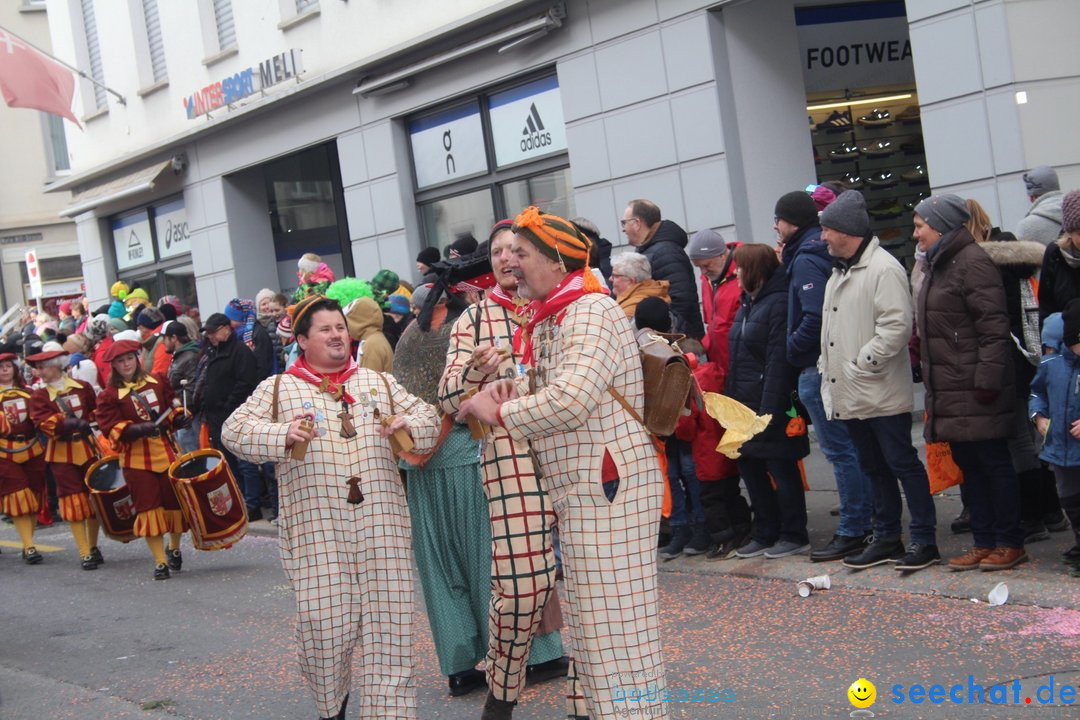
x=1055 y=395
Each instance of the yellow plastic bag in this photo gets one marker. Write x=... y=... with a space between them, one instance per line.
x=740 y=423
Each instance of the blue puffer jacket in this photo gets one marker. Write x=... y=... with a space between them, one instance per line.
x=808 y=266
x=1059 y=378
x=759 y=375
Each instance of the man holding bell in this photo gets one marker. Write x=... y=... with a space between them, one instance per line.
x=331 y=427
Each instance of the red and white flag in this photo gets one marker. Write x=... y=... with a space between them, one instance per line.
x=30 y=79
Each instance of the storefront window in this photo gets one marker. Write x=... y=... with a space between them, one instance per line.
x=444 y=221
x=180 y=282
x=551 y=192
x=153 y=251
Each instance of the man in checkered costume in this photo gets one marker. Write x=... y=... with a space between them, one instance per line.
x=344 y=525
x=482 y=349
x=578 y=412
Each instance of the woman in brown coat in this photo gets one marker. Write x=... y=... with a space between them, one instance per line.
x=967 y=369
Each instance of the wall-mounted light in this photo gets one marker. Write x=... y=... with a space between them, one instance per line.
x=867 y=101
x=1021 y=97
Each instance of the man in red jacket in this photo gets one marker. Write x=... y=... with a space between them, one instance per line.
x=719 y=291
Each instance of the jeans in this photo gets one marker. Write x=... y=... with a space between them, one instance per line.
x=247 y=477
x=779 y=514
x=680 y=473
x=269 y=476
x=887 y=456
x=993 y=492
x=854 y=487
x=188 y=438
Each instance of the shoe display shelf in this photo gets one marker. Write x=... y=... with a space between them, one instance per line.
x=885 y=160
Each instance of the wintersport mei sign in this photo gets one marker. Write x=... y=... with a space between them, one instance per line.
x=245 y=83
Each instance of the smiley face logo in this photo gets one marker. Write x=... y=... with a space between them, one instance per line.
x=862 y=693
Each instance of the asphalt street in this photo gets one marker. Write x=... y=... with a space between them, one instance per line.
x=216 y=641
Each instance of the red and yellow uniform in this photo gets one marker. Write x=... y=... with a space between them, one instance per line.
x=145 y=460
x=22 y=465
x=67 y=454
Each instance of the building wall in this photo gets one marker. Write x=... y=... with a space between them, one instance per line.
x=25 y=209
x=979 y=141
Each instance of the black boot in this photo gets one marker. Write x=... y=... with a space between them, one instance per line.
x=497 y=709
x=1071 y=507
x=700 y=541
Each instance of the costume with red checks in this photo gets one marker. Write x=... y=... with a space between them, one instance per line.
x=67 y=454
x=145 y=460
x=350 y=565
x=22 y=458
x=523 y=559
x=609 y=548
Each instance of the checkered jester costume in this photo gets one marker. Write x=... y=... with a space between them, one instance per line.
x=523 y=559
x=350 y=565
x=581 y=346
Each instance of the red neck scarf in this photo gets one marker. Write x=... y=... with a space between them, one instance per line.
x=331 y=383
x=519 y=310
x=573 y=287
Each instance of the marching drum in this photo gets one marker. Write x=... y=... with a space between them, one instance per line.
x=210 y=499
x=111 y=498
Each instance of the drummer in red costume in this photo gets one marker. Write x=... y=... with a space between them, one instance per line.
x=62 y=409
x=127 y=411
x=22 y=458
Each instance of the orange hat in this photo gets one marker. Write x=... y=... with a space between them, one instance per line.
x=555 y=237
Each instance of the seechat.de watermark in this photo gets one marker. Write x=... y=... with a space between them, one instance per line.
x=972 y=693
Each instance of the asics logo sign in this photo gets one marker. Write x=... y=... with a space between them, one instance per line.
x=534 y=136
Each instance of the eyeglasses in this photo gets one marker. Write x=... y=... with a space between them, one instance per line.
x=617 y=275
x=622 y=223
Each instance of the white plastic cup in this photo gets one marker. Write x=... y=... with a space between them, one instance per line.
x=999 y=595
x=809 y=585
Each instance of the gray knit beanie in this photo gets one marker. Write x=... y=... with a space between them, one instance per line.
x=847 y=214
x=943 y=212
x=1041 y=180
x=706 y=244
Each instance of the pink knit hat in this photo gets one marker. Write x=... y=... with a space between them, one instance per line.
x=1070 y=211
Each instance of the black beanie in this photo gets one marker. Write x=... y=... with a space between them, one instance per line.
x=1071 y=317
x=653 y=313
x=428 y=256
x=798 y=208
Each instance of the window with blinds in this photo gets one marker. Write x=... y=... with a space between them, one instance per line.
x=93 y=52
x=155 y=40
x=226 y=29
x=302 y=5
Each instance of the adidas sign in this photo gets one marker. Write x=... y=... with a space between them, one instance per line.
x=534 y=136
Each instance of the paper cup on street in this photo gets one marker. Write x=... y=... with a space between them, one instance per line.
x=998 y=595
x=809 y=585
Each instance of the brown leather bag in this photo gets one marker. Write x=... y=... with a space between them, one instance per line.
x=667 y=379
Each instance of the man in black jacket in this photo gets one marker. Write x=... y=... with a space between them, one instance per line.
x=182 y=370
x=230 y=377
x=663 y=242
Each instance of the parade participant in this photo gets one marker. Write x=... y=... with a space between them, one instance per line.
x=22 y=461
x=128 y=412
x=61 y=409
x=523 y=561
x=344 y=523
x=582 y=415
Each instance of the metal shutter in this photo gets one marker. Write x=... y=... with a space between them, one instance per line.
x=93 y=51
x=223 y=18
x=155 y=39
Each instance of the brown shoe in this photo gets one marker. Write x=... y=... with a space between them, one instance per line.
x=970 y=560
x=1003 y=558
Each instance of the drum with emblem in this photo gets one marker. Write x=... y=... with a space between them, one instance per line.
x=111 y=499
x=210 y=499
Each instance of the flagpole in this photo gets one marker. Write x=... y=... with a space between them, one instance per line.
x=72 y=68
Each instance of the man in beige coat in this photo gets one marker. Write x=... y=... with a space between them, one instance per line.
x=866 y=382
x=580 y=413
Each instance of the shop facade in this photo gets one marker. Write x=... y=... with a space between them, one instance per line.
x=711 y=110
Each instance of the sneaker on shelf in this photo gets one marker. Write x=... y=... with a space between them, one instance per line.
x=837 y=120
x=914 y=146
x=844 y=151
x=910 y=115
x=817 y=157
x=885 y=210
x=852 y=180
x=882 y=179
x=918 y=556
x=916 y=175
x=964 y=526
x=879 y=148
x=876 y=118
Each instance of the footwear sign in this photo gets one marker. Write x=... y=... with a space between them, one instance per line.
x=527 y=121
x=854 y=46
